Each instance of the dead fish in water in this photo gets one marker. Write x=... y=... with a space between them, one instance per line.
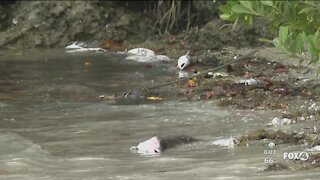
x=156 y=145
x=80 y=46
x=142 y=52
x=184 y=61
x=146 y=55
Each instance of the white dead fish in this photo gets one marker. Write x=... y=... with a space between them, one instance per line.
x=86 y=49
x=156 y=145
x=229 y=142
x=75 y=45
x=184 y=61
x=81 y=46
x=148 y=147
x=280 y=122
x=141 y=55
x=163 y=58
x=315 y=148
x=249 y=82
x=141 y=52
x=271 y=145
x=219 y=74
x=139 y=58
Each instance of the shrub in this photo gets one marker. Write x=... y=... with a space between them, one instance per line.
x=297 y=23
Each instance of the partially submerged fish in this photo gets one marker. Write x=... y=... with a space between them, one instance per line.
x=156 y=145
x=81 y=46
x=184 y=61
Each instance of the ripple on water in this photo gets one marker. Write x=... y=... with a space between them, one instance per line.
x=20 y=158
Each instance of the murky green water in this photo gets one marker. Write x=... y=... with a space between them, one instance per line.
x=53 y=125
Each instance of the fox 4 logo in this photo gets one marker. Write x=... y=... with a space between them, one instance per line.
x=302 y=156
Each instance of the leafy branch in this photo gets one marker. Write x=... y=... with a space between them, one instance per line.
x=297 y=23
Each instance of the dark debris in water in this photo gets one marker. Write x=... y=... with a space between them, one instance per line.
x=253 y=83
x=312 y=162
x=281 y=137
x=278 y=137
x=249 y=84
x=170 y=142
x=276 y=167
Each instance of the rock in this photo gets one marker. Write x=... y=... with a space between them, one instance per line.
x=216 y=34
x=56 y=23
x=47 y=24
x=208 y=58
x=3 y=17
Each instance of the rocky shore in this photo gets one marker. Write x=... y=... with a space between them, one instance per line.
x=118 y=26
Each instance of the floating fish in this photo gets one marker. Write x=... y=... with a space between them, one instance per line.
x=141 y=52
x=249 y=82
x=148 y=147
x=163 y=58
x=184 y=61
x=81 y=46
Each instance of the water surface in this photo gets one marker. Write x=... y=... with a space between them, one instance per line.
x=54 y=126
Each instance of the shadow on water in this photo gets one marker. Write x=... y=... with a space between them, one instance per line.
x=54 y=126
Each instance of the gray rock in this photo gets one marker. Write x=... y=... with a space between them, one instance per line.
x=57 y=23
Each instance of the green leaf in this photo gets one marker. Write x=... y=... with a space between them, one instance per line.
x=283 y=34
x=304 y=37
x=313 y=50
x=276 y=43
x=281 y=46
x=225 y=16
x=265 y=40
x=225 y=9
x=314 y=56
x=267 y=3
x=316 y=40
x=241 y=9
x=306 y=10
x=299 y=44
x=246 y=4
